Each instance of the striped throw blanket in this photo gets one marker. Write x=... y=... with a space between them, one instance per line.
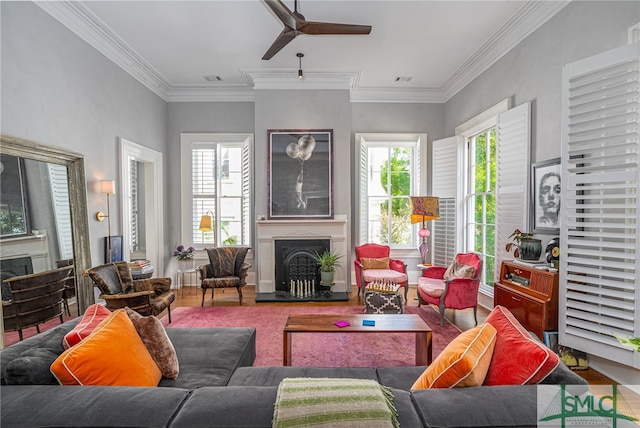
x=328 y=402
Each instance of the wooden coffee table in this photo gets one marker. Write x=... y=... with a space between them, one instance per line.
x=385 y=323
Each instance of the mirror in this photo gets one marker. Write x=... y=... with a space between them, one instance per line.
x=13 y=205
x=72 y=224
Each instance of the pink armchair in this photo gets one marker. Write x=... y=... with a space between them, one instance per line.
x=370 y=265
x=455 y=287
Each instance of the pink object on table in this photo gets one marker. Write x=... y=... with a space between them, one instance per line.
x=342 y=323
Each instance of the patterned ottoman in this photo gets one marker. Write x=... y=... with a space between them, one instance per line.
x=383 y=300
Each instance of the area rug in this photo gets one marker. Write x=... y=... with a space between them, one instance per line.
x=317 y=349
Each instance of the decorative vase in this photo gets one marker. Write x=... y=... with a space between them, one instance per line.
x=185 y=265
x=530 y=249
x=326 y=277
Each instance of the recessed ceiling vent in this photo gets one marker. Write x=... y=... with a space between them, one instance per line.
x=212 y=78
x=403 y=79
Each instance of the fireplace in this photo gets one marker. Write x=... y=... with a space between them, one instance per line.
x=295 y=264
x=285 y=253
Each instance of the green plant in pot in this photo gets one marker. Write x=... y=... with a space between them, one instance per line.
x=524 y=246
x=328 y=261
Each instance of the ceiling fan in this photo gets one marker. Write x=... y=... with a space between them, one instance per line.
x=295 y=23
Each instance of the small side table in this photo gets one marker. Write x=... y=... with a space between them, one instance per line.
x=180 y=278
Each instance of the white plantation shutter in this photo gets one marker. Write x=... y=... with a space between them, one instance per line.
x=363 y=230
x=246 y=193
x=513 y=132
x=60 y=197
x=600 y=270
x=445 y=172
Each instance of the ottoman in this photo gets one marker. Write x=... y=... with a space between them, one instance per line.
x=383 y=299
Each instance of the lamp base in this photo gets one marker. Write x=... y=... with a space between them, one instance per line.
x=424 y=252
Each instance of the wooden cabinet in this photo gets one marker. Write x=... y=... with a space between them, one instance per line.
x=530 y=294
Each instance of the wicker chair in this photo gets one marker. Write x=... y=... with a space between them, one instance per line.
x=33 y=299
x=146 y=296
x=226 y=269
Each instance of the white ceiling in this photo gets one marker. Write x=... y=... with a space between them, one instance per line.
x=171 y=45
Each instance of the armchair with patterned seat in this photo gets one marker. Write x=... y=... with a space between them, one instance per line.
x=226 y=269
x=148 y=296
x=455 y=287
x=373 y=263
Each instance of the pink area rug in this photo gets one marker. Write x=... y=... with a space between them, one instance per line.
x=317 y=349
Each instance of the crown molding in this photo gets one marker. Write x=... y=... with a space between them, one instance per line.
x=90 y=28
x=85 y=24
x=526 y=20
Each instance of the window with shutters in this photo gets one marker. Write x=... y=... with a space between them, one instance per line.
x=59 y=181
x=389 y=174
x=599 y=263
x=216 y=177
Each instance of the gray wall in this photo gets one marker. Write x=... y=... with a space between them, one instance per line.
x=533 y=70
x=57 y=90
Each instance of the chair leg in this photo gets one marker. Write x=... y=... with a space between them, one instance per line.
x=20 y=334
x=239 y=294
x=475 y=314
x=441 y=307
x=406 y=292
x=204 y=291
x=169 y=313
x=38 y=329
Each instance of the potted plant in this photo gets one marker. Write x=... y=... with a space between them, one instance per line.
x=328 y=261
x=524 y=246
x=185 y=257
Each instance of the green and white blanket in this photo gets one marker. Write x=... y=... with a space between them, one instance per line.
x=328 y=402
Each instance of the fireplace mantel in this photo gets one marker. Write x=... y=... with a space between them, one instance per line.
x=269 y=230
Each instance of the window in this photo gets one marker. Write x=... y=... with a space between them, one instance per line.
x=216 y=181
x=480 y=200
x=389 y=174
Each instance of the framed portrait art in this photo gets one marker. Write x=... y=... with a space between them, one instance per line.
x=546 y=195
x=300 y=174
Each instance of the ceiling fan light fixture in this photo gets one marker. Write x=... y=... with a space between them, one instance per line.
x=300 y=74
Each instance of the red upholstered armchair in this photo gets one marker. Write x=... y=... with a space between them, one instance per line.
x=455 y=287
x=372 y=263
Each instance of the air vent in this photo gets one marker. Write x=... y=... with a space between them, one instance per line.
x=403 y=79
x=212 y=78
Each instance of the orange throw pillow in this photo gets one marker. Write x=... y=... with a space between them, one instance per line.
x=464 y=362
x=372 y=263
x=112 y=355
x=518 y=359
x=90 y=320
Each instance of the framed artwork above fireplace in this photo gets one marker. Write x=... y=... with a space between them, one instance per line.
x=300 y=174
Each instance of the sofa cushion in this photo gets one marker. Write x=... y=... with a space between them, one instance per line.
x=518 y=359
x=155 y=338
x=210 y=365
x=112 y=355
x=464 y=362
x=272 y=376
x=31 y=368
x=375 y=263
x=97 y=406
x=89 y=321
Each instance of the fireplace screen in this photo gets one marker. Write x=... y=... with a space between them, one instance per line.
x=296 y=270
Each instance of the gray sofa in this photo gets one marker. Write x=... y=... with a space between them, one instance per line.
x=218 y=387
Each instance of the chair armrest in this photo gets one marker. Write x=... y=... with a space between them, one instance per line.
x=398 y=265
x=358 y=264
x=126 y=295
x=436 y=272
x=205 y=271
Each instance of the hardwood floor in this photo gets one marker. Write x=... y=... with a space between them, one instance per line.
x=463 y=319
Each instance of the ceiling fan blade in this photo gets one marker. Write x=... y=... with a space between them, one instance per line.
x=281 y=41
x=312 y=27
x=283 y=13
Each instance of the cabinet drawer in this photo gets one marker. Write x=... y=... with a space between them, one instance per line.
x=530 y=313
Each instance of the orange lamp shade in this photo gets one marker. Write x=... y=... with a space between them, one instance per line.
x=424 y=208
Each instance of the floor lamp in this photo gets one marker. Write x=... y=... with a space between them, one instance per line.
x=423 y=209
x=107 y=187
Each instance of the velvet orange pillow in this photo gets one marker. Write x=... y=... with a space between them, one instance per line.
x=112 y=355
x=464 y=362
x=518 y=359
x=155 y=338
x=93 y=316
x=373 y=263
